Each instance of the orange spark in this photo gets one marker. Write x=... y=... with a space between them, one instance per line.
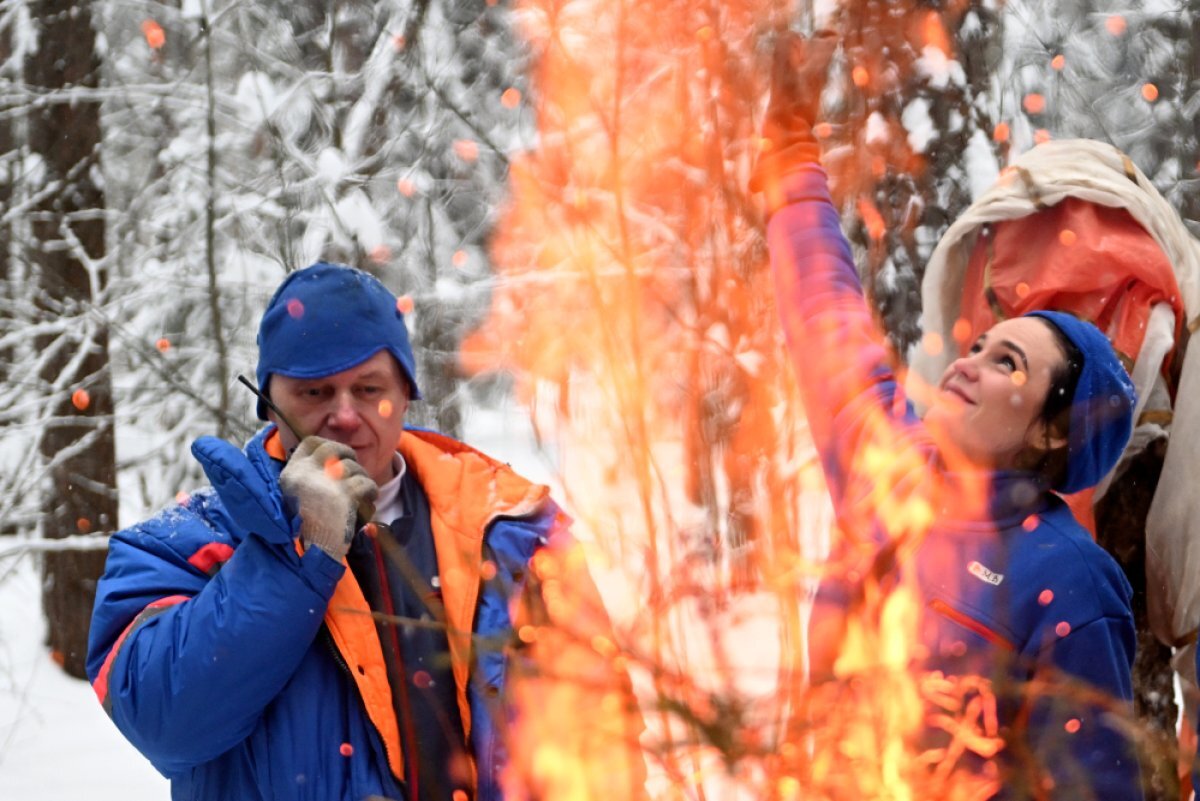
x=705 y=34
x=459 y=259
x=961 y=330
x=155 y=36
x=404 y=304
x=510 y=98
x=1030 y=523
x=1001 y=132
x=1072 y=725
x=399 y=42
x=1149 y=92
x=80 y=399
x=1034 y=103
x=386 y=408
x=83 y=525
x=182 y=497
x=163 y=345
x=860 y=76
x=1022 y=289
x=1045 y=597
x=346 y=749
x=932 y=343
x=381 y=254
x=295 y=308
x=334 y=468
x=1067 y=237
x=466 y=149
x=822 y=130
x=406 y=187
x=1115 y=24
x=487 y=571
x=1062 y=629
x=1058 y=62
x=871 y=218
x=934 y=33
x=1019 y=378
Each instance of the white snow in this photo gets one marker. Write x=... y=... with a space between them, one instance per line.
x=55 y=740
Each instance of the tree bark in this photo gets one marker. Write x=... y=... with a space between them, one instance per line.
x=77 y=443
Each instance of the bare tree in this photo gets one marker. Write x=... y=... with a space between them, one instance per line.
x=67 y=251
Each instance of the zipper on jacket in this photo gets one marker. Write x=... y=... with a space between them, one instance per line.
x=970 y=623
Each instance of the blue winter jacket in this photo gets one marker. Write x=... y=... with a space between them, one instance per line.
x=1014 y=588
x=245 y=669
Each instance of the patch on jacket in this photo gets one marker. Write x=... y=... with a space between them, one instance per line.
x=983 y=574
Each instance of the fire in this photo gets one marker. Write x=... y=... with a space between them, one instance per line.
x=635 y=310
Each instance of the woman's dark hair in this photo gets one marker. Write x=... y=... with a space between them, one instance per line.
x=1056 y=412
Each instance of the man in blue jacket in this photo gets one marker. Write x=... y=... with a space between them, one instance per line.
x=354 y=609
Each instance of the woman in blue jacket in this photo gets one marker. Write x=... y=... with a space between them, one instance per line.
x=963 y=502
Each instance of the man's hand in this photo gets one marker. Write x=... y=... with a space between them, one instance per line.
x=327 y=484
x=797 y=79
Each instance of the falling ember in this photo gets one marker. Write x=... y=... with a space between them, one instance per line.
x=346 y=750
x=1034 y=103
x=461 y=795
x=1045 y=597
x=381 y=254
x=466 y=149
x=1030 y=523
x=705 y=34
x=1149 y=92
x=1058 y=62
x=83 y=525
x=961 y=330
x=422 y=680
x=295 y=308
x=406 y=187
x=932 y=343
x=1115 y=24
x=399 y=42
x=404 y=304
x=872 y=219
x=155 y=36
x=1072 y=726
x=934 y=33
x=334 y=468
x=1067 y=237
x=822 y=130
x=1001 y=132
x=860 y=76
x=510 y=98
x=163 y=345
x=1062 y=629
x=386 y=408
x=80 y=399
x=1022 y=289
x=1019 y=378
x=459 y=259
x=527 y=634
x=487 y=571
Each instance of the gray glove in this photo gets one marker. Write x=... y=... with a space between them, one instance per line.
x=326 y=483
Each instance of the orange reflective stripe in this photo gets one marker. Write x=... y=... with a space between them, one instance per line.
x=100 y=685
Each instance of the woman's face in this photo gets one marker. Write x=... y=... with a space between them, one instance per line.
x=988 y=404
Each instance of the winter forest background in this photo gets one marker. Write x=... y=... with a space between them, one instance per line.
x=557 y=190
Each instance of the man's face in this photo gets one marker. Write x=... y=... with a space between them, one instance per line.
x=362 y=407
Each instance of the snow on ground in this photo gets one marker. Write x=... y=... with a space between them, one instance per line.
x=55 y=740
